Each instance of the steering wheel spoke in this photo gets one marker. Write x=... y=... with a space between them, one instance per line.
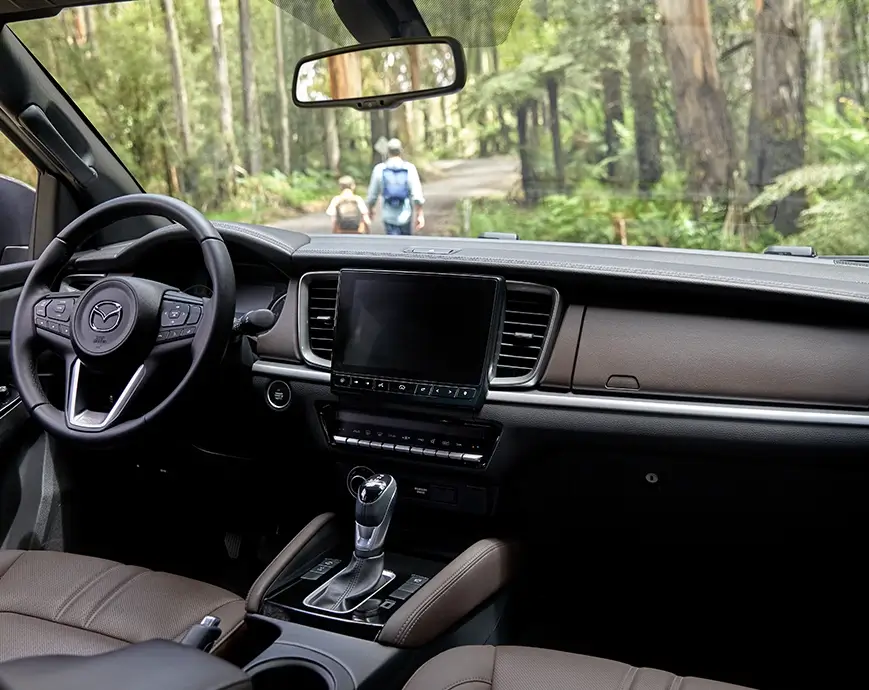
x=78 y=414
x=52 y=318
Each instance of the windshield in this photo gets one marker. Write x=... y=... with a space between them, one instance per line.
x=703 y=124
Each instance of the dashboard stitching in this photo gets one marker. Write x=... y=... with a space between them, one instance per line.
x=254 y=233
x=219 y=225
x=598 y=269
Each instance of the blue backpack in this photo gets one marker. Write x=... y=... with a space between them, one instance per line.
x=396 y=186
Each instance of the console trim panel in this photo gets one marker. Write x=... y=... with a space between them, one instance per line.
x=387 y=577
x=598 y=403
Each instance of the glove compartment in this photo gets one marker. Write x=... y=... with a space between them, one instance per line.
x=640 y=353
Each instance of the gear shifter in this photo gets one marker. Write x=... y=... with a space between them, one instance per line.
x=375 y=503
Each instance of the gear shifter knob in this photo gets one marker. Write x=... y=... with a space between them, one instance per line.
x=375 y=502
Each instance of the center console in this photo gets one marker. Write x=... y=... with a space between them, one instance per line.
x=412 y=355
x=352 y=615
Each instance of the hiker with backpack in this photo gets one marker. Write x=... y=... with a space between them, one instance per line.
x=348 y=210
x=397 y=181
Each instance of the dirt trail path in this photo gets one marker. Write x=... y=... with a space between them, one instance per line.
x=457 y=180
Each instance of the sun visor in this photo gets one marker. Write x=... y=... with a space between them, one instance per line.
x=472 y=22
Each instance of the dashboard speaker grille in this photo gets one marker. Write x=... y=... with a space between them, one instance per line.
x=320 y=315
x=528 y=318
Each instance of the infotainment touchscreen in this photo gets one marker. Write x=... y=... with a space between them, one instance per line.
x=399 y=332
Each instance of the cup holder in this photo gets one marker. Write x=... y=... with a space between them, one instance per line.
x=291 y=674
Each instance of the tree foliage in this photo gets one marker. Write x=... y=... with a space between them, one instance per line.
x=614 y=138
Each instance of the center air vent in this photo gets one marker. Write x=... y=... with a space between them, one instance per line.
x=318 y=296
x=528 y=317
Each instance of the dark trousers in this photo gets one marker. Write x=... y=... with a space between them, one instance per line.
x=397 y=229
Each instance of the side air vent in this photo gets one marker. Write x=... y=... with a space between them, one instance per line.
x=528 y=318
x=318 y=296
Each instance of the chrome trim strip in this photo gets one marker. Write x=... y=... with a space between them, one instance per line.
x=599 y=403
x=294 y=372
x=82 y=419
x=11 y=405
x=531 y=378
x=302 y=314
x=91 y=277
x=673 y=408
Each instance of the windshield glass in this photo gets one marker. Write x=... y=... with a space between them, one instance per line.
x=704 y=124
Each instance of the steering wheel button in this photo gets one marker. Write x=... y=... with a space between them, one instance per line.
x=64 y=330
x=195 y=314
x=60 y=309
x=54 y=326
x=42 y=307
x=40 y=322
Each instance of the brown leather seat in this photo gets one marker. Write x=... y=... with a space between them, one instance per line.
x=60 y=603
x=526 y=668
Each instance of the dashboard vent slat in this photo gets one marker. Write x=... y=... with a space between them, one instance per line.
x=317 y=313
x=528 y=317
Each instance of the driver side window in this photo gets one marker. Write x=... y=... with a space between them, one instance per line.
x=17 y=202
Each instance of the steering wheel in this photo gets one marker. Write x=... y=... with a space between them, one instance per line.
x=119 y=326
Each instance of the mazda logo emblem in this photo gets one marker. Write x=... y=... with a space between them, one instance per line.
x=105 y=316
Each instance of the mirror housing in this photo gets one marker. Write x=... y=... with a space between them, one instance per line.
x=314 y=77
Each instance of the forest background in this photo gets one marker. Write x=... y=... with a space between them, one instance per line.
x=716 y=124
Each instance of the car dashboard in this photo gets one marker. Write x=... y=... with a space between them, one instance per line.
x=633 y=380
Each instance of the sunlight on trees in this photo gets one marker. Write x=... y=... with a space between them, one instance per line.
x=694 y=123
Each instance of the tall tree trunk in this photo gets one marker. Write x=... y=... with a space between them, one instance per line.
x=445 y=115
x=530 y=187
x=818 y=55
x=252 y=132
x=379 y=130
x=332 y=141
x=646 y=132
x=614 y=111
x=504 y=139
x=80 y=24
x=283 y=100
x=777 y=128
x=229 y=153
x=179 y=88
x=848 y=53
x=427 y=137
x=90 y=22
x=555 y=130
x=413 y=109
x=339 y=86
x=702 y=117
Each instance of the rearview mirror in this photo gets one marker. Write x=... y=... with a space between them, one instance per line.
x=380 y=75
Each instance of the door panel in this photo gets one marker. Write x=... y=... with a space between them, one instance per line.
x=12 y=278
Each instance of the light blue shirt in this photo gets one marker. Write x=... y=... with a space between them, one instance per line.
x=396 y=215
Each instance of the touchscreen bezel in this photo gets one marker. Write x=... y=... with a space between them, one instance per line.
x=344 y=304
